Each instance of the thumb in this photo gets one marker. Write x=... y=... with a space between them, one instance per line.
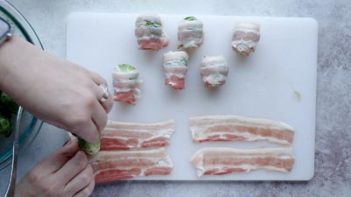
x=55 y=161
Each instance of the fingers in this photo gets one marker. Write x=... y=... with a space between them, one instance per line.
x=99 y=117
x=72 y=167
x=108 y=103
x=97 y=78
x=88 y=131
x=80 y=182
x=91 y=116
x=88 y=123
x=54 y=162
x=86 y=191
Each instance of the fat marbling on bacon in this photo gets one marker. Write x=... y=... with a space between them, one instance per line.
x=112 y=166
x=221 y=161
x=126 y=84
x=149 y=33
x=175 y=67
x=129 y=135
x=239 y=128
x=214 y=70
x=245 y=38
x=190 y=33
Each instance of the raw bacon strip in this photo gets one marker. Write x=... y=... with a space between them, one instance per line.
x=126 y=136
x=126 y=84
x=190 y=33
x=245 y=38
x=220 y=161
x=112 y=166
x=239 y=128
x=149 y=33
x=175 y=68
x=214 y=70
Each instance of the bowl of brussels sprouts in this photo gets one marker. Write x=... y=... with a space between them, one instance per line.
x=29 y=126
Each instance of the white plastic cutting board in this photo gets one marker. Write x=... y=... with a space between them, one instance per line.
x=277 y=82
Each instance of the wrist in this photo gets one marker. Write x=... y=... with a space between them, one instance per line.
x=6 y=54
x=15 y=55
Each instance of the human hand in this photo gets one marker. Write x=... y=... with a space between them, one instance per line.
x=66 y=173
x=56 y=91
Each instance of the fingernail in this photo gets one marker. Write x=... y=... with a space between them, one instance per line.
x=69 y=141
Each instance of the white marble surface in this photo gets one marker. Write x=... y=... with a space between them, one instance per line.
x=333 y=138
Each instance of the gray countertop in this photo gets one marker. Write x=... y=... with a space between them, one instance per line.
x=333 y=134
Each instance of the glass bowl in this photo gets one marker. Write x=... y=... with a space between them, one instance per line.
x=29 y=125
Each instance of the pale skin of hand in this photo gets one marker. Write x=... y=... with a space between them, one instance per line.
x=65 y=173
x=55 y=90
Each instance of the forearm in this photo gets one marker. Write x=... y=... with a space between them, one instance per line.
x=53 y=89
x=16 y=58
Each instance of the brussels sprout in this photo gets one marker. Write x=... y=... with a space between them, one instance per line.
x=152 y=23
x=126 y=67
x=8 y=106
x=5 y=127
x=190 y=18
x=89 y=148
x=8 y=109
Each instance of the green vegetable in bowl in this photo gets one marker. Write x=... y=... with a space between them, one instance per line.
x=5 y=127
x=7 y=106
x=89 y=148
x=8 y=109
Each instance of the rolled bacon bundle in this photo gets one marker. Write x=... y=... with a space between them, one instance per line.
x=149 y=33
x=190 y=33
x=214 y=71
x=175 y=68
x=245 y=38
x=126 y=84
